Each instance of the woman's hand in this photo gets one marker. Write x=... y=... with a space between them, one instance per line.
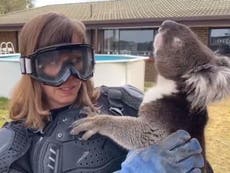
x=178 y=153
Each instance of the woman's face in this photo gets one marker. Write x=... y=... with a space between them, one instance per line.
x=65 y=94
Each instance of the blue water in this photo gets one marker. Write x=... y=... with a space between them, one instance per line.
x=98 y=57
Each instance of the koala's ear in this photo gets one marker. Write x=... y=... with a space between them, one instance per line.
x=177 y=42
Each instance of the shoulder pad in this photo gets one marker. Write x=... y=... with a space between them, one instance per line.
x=6 y=139
x=14 y=142
x=132 y=96
x=127 y=94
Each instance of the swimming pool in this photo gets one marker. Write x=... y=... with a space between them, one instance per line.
x=10 y=57
x=100 y=58
x=103 y=58
x=110 y=70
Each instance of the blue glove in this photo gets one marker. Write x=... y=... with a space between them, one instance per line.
x=178 y=153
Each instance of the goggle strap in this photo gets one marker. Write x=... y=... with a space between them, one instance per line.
x=22 y=65
x=25 y=64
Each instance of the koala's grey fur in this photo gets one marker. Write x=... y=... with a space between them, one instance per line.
x=190 y=76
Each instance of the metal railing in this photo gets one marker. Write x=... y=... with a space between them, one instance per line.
x=7 y=48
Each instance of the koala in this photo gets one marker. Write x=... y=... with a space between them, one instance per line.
x=190 y=76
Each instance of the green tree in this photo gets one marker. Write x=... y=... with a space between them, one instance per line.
x=7 y=6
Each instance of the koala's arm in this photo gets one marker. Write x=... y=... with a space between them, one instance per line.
x=129 y=132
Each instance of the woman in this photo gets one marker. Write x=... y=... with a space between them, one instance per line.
x=53 y=92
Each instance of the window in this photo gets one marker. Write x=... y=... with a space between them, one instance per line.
x=111 y=41
x=136 y=42
x=129 y=41
x=219 y=40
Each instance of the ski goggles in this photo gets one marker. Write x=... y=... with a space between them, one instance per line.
x=53 y=65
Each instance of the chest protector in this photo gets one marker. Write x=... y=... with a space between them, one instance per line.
x=56 y=151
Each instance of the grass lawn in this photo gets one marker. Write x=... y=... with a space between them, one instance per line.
x=3 y=110
x=217 y=134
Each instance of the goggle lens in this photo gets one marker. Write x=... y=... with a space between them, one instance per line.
x=53 y=63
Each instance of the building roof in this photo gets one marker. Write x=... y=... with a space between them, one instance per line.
x=130 y=11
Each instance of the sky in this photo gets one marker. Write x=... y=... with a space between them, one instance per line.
x=39 y=3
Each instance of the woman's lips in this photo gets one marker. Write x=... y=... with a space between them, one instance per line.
x=67 y=89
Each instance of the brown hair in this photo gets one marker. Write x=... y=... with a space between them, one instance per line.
x=28 y=103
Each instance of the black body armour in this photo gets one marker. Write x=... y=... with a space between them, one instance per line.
x=56 y=151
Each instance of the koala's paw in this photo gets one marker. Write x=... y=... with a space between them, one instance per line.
x=89 y=125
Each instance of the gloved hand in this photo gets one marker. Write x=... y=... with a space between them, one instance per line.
x=178 y=153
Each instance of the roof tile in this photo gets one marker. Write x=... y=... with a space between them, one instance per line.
x=126 y=9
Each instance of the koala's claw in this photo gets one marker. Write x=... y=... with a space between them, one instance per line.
x=88 y=111
x=89 y=126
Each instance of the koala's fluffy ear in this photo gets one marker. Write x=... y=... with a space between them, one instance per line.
x=207 y=84
x=177 y=42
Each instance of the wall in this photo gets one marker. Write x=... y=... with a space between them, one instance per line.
x=202 y=34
